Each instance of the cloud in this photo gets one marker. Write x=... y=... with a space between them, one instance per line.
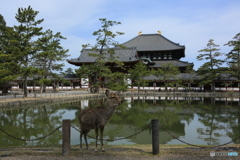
x=193 y=31
x=190 y=23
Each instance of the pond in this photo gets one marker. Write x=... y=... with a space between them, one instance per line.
x=199 y=121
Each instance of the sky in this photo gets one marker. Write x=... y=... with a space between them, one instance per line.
x=188 y=22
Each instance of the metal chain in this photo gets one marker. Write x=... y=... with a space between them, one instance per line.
x=30 y=139
x=148 y=126
x=197 y=145
x=115 y=139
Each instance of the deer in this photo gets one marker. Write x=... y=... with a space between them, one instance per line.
x=96 y=118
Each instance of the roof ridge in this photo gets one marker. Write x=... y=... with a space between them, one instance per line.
x=130 y=40
x=154 y=34
x=171 y=41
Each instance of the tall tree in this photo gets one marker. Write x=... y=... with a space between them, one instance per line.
x=209 y=71
x=27 y=31
x=168 y=74
x=233 y=57
x=103 y=52
x=48 y=57
x=9 y=54
x=138 y=74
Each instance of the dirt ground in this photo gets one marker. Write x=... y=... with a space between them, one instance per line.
x=119 y=152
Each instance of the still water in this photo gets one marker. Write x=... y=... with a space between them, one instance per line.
x=200 y=121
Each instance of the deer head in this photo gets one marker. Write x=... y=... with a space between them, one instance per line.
x=114 y=98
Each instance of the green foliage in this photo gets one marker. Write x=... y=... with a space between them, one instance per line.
x=9 y=53
x=167 y=73
x=138 y=74
x=50 y=54
x=23 y=54
x=44 y=81
x=103 y=53
x=116 y=81
x=83 y=71
x=210 y=71
x=233 y=57
x=26 y=31
x=211 y=52
x=68 y=71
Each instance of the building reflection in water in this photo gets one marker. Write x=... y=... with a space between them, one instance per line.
x=210 y=121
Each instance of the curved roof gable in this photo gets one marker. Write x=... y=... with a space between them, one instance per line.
x=122 y=54
x=152 y=42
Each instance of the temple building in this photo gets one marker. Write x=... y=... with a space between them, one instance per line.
x=152 y=49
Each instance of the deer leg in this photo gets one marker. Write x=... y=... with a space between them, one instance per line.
x=101 y=137
x=81 y=140
x=96 y=133
x=85 y=138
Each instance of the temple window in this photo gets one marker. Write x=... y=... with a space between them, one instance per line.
x=159 y=56
x=170 y=56
x=165 y=56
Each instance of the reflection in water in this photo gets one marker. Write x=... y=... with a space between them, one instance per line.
x=194 y=120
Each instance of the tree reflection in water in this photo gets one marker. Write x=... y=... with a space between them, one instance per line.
x=218 y=119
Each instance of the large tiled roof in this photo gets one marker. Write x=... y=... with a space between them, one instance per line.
x=122 y=54
x=183 y=76
x=144 y=42
x=174 y=62
x=187 y=76
x=152 y=42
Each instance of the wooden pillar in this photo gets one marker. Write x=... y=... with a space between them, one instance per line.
x=66 y=136
x=155 y=137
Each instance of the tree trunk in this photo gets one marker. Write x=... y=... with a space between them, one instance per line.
x=95 y=83
x=213 y=86
x=238 y=86
x=41 y=88
x=54 y=87
x=165 y=86
x=44 y=88
x=25 y=91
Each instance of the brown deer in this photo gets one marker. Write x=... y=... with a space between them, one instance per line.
x=97 y=118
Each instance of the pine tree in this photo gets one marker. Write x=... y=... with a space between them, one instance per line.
x=9 y=55
x=168 y=74
x=104 y=53
x=233 y=57
x=27 y=31
x=209 y=71
x=138 y=74
x=48 y=57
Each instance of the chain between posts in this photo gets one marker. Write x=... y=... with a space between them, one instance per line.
x=161 y=126
x=30 y=139
x=148 y=126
